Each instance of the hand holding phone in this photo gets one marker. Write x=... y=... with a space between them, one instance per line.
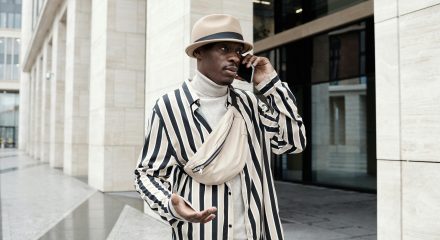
x=246 y=73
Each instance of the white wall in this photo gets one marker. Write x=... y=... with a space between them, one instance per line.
x=407 y=114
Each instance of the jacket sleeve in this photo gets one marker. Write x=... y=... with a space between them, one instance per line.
x=154 y=168
x=280 y=119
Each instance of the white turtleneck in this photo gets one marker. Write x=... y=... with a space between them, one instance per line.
x=213 y=99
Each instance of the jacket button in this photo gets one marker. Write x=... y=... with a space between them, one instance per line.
x=230 y=225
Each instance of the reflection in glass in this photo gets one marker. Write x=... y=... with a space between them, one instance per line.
x=339 y=141
x=8 y=119
x=340 y=109
x=332 y=77
x=275 y=16
x=263 y=19
x=10 y=14
x=9 y=58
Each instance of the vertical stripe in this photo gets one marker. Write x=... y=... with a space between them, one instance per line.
x=225 y=212
x=202 y=207
x=189 y=135
x=271 y=193
x=215 y=220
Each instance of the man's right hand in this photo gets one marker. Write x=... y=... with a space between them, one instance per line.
x=189 y=214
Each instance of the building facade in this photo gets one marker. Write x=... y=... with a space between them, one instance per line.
x=10 y=42
x=83 y=85
x=407 y=76
x=364 y=75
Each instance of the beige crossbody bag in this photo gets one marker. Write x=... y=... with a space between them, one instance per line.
x=224 y=153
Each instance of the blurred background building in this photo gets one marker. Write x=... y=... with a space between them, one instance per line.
x=10 y=24
x=364 y=74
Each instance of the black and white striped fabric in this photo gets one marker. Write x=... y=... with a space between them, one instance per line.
x=176 y=130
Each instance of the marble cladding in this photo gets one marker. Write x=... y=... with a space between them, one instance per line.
x=384 y=10
x=407 y=76
x=30 y=144
x=25 y=111
x=420 y=205
x=116 y=92
x=77 y=87
x=46 y=102
x=387 y=90
x=408 y=6
x=420 y=79
x=26 y=82
x=389 y=184
x=57 y=95
x=37 y=116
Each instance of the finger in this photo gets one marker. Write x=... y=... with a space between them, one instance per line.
x=246 y=58
x=209 y=211
x=200 y=216
x=260 y=61
x=209 y=218
x=252 y=61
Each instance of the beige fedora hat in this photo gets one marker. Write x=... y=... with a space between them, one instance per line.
x=216 y=28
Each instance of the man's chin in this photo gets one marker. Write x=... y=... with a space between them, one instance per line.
x=227 y=81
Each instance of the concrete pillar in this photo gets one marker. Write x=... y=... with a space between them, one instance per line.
x=25 y=78
x=407 y=43
x=36 y=131
x=56 y=149
x=116 y=92
x=30 y=130
x=25 y=88
x=76 y=116
x=45 y=101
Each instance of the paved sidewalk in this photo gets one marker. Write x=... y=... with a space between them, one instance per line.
x=54 y=206
x=315 y=213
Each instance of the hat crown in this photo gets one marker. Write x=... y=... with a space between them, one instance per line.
x=216 y=28
x=215 y=23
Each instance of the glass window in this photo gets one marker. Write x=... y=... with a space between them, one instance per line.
x=3 y=20
x=274 y=16
x=332 y=77
x=10 y=14
x=17 y=21
x=9 y=58
x=10 y=23
x=8 y=118
x=264 y=25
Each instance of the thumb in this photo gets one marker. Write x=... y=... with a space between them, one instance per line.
x=175 y=200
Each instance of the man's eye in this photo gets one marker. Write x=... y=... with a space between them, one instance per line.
x=224 y=49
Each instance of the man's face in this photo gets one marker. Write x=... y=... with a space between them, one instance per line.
x=220 y=61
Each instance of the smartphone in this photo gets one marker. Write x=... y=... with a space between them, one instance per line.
x=246 y=73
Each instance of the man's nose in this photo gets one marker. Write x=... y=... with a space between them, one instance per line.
x=234 y=56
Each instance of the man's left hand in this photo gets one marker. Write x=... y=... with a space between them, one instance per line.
x=262 y=65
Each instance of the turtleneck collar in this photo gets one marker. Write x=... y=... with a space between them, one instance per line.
x=205 y=87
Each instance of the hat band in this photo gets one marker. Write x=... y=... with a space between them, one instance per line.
x=222 y=35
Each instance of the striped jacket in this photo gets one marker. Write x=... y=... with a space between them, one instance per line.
x=176 y=130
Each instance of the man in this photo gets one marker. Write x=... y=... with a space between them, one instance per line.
x=205 y=166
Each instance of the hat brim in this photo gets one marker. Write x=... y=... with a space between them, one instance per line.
x=192 y=47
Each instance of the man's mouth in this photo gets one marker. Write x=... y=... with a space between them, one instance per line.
x=232 y=68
